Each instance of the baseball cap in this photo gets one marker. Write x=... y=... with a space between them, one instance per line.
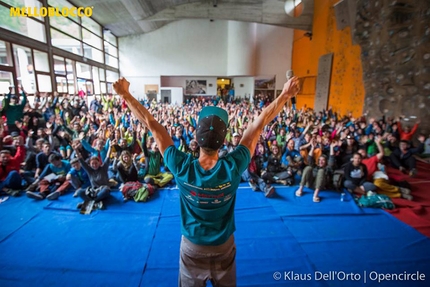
x=212 y=127
x=349 y=137
x=236 y=135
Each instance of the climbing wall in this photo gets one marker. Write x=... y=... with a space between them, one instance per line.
x=394 y=36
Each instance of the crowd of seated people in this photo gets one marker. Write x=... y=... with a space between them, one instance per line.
x=57 y=145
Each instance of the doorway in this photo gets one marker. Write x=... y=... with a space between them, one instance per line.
x=166 y=96
x=224 y=85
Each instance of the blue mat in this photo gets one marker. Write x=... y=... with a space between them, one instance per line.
x=285 y=240
x=163 y=261
x=286 y=203
x=56 y=249
x=367 y=246
x=15 y=213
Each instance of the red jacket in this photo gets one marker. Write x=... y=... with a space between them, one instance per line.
x=14 y=163
x=406 y=136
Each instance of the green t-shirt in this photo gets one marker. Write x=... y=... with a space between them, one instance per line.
x=207 y=198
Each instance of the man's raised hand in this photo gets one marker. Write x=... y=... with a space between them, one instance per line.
x=121 y=86
x=291 y=87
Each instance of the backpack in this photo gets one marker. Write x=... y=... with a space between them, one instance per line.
x=338 y=179
x=376 y=201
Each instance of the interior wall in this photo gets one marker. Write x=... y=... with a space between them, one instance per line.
x=274 y=46
x=346 y=87
x=176 y=95
x=243 y=87
x=187 y=48
x=241 y=48
x=176 y=81
x=137 y=85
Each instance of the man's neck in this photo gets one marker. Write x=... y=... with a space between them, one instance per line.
x=208 y=161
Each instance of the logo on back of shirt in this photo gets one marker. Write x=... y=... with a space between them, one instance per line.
x=206 y=198
x=208 y=195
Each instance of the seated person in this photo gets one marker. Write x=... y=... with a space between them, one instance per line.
x=317 y=176
x=126 y=167
x=276 y=171
x=252 y=173
x=153 y=160
x=10 y=180
x=403 y=158
x=50 y=179
x=194 y=149
x=29 y=166
x=347 y=149
x=381 y=181
x=99 y=178
x=356 y=176
x=292 y=158
x=77 y=177
x=42 y=158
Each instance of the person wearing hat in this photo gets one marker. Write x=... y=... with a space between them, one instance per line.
x=235 y=140
x=207 y=186
x=348 y=148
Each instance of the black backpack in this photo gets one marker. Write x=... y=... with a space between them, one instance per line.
x=338 y=179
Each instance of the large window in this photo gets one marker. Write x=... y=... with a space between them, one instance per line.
x=27 y=26
x=44 y=83
x=59 y=67
x=5 y=54
x=71 y=76
x=41 y=61
x=111 y=61
x=92 y=25
x=93 y=53
x=66 y=25
x=96 y=80
x=24 y=68
x=111 y=49
x=83 y=71
x=64 y=42
x=6 y=81
x=80 y=55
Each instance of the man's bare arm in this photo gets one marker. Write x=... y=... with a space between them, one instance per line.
x=159 y=133
x=252 y=133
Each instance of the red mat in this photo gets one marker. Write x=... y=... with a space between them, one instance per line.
x=415 y=213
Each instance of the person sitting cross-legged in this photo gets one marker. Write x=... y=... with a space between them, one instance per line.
x=356 y=176
x=252 y=173
x=153 y=160
x=51 y=178
x=275 y=171
x=317 y=175
x=77 y=177
x=99 y=178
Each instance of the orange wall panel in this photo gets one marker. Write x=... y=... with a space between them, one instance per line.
x=346 y=86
